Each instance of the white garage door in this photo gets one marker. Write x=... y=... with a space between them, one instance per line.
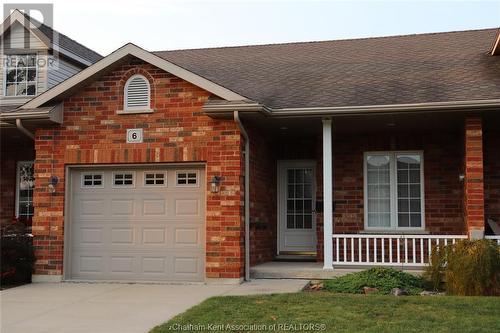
x=137 y=224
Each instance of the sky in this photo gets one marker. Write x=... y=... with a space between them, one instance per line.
x=105 y=25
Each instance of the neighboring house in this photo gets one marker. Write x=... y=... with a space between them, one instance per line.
x=34 y=59
x=168 y=165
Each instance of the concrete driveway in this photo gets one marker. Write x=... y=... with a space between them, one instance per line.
x=108 y=307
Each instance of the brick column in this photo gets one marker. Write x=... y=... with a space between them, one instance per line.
x=474 y=177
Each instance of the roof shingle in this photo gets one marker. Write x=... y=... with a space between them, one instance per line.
x=437 y=67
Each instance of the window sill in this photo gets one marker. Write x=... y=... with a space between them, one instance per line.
x=135 y=111
x=396 y=232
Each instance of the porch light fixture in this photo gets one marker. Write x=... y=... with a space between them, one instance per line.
x=215 y=184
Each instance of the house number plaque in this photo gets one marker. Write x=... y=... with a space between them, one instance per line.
x=134 y=135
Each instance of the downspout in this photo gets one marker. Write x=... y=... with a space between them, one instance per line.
x=23 y=129
x=246 y=152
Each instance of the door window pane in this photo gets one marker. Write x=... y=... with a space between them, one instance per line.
x=25 y=187
x=299 y=198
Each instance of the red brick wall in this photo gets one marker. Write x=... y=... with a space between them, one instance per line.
x=474 y=174
x=263 y=226
x=443 y=161
x=12 y=151
x=492 y=174
x=442 y=167
x=93 y=133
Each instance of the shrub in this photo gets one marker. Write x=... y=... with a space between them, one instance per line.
x=468 y=268
x=17 y=258
x=384 y=279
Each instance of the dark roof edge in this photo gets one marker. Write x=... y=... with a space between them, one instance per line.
x=220 y=109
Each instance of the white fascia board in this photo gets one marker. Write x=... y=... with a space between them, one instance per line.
x=131 y=49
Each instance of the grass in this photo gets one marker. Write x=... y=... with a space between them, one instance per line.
x=345 y=313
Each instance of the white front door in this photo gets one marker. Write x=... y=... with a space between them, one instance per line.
x=297 y=196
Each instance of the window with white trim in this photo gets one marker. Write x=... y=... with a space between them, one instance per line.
x=137 y=93
x=20 y=75
x=155 y=178
x=123 y=179
x=187 y=178
x=394 y=190
x=25 y=187
x=94 y=180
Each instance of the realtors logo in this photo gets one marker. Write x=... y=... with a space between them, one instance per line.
x=38 y=21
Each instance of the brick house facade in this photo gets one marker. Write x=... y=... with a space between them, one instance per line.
x=92 y=133
x=446 y=161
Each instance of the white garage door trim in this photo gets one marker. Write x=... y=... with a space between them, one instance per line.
x=170 y=169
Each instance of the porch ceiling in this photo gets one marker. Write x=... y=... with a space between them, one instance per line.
x=298 y=127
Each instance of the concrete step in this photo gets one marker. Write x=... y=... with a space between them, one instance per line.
x=307 y=270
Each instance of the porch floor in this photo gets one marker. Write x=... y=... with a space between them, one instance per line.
x=308 y=270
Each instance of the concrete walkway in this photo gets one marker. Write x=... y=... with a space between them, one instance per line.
x=108 y=307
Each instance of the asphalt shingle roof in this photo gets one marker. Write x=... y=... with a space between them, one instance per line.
x=437 y=67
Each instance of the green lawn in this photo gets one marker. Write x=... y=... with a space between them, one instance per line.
x=345 y=313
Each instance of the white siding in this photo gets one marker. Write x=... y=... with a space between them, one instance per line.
x=15 y=36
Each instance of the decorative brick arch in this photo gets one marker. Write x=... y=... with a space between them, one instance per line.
x=134 y=71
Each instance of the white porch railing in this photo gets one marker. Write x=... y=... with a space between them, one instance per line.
x=497 y=238
x=387 y=250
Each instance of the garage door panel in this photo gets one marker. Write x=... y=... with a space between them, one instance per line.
x=122 y=236
x=90 y=235
x=187 y=207
x=92 y=207
x=154 y=265
x=156 y=207
x=140 y=233
x=187 y=237
x=154 y=236
x=91 y=264
x=122 y=207
x=132 y=266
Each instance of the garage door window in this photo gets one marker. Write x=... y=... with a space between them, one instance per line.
x=93 y=180
x=187 y=178
x=155 y=178
x=123 y=179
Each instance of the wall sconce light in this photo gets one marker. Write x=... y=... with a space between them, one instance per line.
x=215 y=184
x=53 y=181
x=461 y=177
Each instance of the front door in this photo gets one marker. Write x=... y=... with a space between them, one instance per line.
x=297 y=223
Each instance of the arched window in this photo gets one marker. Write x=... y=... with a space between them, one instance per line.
x=137 y=93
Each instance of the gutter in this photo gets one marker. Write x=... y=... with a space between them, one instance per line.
x=19 y=125
x=53 y=114
x=247 y=193
x=221 y=109
x=225 y=108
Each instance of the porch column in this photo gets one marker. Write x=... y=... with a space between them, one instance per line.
x=327 y=195
x=474 y=177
